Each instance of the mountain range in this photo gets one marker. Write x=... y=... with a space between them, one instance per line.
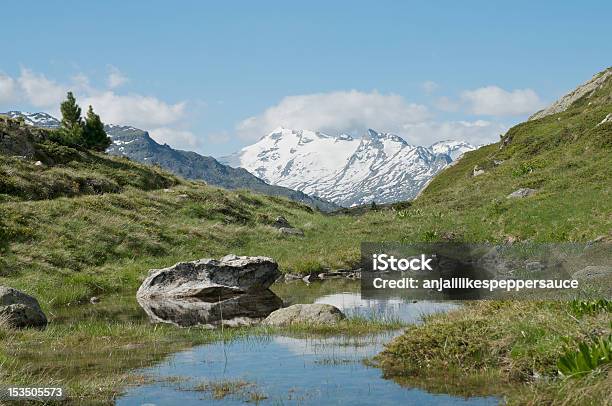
x=378 y=167
x=314 y=168
x=137 y=145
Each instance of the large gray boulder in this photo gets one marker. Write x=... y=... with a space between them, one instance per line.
x=305 y=313
x=211 y=279
x=20 y=310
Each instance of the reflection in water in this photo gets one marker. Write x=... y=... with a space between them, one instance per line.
x=297 y=371
x=240 y=310
x=352 y=304
x=314 y=372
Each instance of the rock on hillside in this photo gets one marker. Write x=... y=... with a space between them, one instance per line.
x=19 y=140
x=19 y=309
x=584 y=90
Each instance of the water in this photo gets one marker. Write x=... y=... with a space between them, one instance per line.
x=284 y=370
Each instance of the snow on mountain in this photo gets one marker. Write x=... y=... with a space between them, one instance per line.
x=379 y=167
x=39 y=119
x=454 y=149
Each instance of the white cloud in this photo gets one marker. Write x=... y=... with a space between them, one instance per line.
x=146 y=112
x=181 y=139
x=495 y=101
x=475 y=132
x=429 y=86
x=134 y=109
x=40 y=91
x=8 y=89
x=115 y=77
x=336 y=112
x=218 y=138
x=445 y=103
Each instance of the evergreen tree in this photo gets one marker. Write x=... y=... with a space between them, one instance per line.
x=94 y=135
x=72 y=125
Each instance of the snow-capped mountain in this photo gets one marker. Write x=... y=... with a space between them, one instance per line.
x=454 y=149
x=379 y=167
x=39 y=119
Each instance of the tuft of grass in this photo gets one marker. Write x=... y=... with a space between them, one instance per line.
x=351 y=326
x=502 y=346
x=582 y=307
x=590 y=356
x=220 y=389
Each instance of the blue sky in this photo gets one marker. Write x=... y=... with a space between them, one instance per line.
x=215 y=76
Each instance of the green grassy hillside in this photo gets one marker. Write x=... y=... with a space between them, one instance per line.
x=34 y=166
x=565 y=157
x=515 y=348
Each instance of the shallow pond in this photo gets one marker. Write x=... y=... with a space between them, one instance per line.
x=282 y=370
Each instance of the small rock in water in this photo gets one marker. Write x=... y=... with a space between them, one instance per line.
x=311 y=278
x=305 y=313
x=522 y=192
x=292 y=277
x=19 y=309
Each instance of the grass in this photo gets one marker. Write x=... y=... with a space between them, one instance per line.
x=582 y=307
x=234 y=388
x=512 y=348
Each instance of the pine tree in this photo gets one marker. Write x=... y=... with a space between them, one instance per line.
x=94 y=135
x=72 y=125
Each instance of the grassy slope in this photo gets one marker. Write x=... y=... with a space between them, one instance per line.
x=566 y=157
